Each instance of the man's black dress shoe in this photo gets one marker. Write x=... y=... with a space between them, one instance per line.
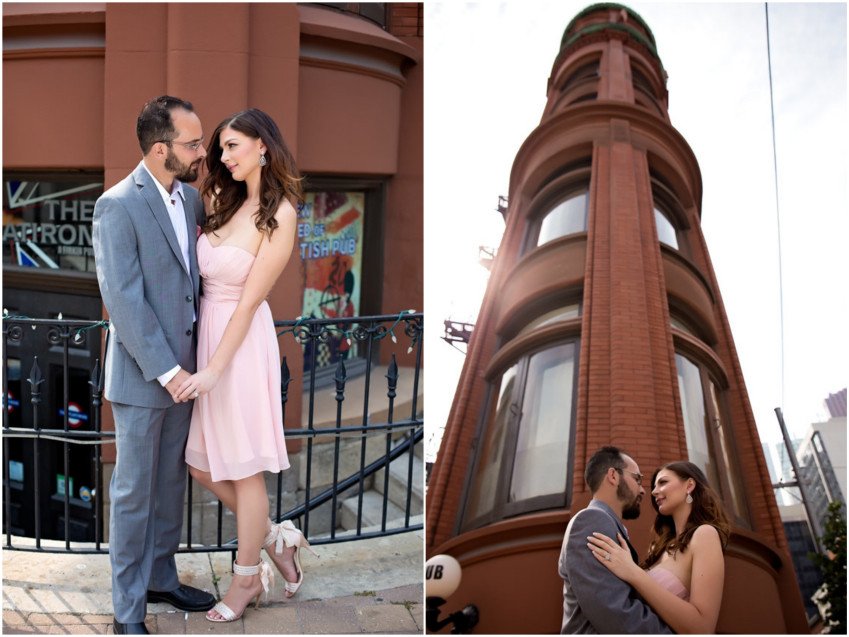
x=185 y=598
x=131 y=628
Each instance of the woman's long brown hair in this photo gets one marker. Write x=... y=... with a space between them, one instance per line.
x=706 y=509
x=280 y=177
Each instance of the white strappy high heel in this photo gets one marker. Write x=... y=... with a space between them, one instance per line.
x=266 y=576
x=287 y=534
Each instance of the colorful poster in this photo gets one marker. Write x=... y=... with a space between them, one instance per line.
x=330 y=241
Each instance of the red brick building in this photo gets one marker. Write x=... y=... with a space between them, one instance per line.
x=344 y=82
x=602 y=324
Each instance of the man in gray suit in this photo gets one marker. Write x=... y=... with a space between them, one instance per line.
x=145 y=231
x=594 y=599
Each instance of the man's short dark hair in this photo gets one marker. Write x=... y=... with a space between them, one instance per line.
x=154 y=123
x=600 y=462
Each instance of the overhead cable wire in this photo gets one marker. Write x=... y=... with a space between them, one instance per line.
x=777 y=208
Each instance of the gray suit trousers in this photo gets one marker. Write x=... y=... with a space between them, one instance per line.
x=146 y=515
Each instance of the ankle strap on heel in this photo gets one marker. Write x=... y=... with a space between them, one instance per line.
x=238 y=569
x=266 y=575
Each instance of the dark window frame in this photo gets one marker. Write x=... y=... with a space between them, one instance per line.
x=692 y=327
x=665 y=201
x=587 y=70
x=583 y=97
x=582 y=83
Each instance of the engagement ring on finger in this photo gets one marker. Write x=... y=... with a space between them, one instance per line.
x=196 y=395
x=607 y=557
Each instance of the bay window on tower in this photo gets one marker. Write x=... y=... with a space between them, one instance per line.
x=707 y=428
x=645 y=93
x=581 y=84
x=562 y=206
x=669 y=217
x=523 y=455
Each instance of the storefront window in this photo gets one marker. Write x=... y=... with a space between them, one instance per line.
x=47 y=220
x=330 y=237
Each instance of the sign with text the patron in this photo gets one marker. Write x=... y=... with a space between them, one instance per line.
x=47 y=220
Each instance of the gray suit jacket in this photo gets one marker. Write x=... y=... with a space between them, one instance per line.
x=594 y=599
x=150 y=297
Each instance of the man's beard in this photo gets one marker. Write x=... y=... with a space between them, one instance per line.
x=181 y=171
x=631 y=510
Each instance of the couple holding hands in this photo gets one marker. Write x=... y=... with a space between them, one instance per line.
x=194 y=377
x=678 y=587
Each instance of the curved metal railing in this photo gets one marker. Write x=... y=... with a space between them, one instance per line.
x=42 y=441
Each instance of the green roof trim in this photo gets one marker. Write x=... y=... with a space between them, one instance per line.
x=602 y=6
x=615 y=26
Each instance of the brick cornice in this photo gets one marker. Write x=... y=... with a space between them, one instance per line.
x=590 y=122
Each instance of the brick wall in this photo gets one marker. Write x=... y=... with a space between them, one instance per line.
x=405 y=19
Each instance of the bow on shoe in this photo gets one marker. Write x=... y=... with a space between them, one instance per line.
x=266 y=576
x=286 y=533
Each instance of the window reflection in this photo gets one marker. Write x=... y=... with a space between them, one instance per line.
x=693 y=410
x=523 y=460
x=539 y=467
x=563 y=313
x=567 y=217
x=482 y=493
x=709 y=436
x=735 y=487
x=665 y=230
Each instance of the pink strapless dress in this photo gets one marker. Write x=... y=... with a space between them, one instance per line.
x=670 y=582
x=237 y=428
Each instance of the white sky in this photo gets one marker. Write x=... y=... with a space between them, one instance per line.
x=487 y=67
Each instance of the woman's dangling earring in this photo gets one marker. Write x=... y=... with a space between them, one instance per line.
x=262 y=160
x=689 y=499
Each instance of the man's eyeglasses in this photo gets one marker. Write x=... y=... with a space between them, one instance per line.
x=637 y=476
x=192 y=146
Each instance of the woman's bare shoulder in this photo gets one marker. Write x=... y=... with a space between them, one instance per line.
x=285 y=211
x=706 y=535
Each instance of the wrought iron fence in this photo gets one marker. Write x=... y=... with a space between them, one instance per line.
x=366 y=344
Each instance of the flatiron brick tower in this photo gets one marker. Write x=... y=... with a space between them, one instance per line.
x=602 y=324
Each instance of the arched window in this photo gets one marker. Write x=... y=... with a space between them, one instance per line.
x=585 y=73
x=708 y=432
x=586 y=97
x=568 y=216
x=642 y=83
x=563 y=313
x=581 y=83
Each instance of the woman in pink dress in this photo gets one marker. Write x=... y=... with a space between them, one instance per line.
x=236 y=432
x=683 y=576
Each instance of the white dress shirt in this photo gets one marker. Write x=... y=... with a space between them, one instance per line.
x=174 y=205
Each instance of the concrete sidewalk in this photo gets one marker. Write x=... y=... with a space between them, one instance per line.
x=362 y=586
